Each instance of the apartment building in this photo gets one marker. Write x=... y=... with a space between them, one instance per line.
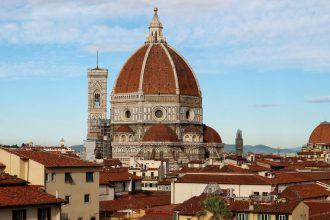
x=74 y=180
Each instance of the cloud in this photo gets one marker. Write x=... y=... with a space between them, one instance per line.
x=320 y=99
x=265 y=105
x=259 y=33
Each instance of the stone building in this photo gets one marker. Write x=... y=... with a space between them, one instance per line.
x=156 y=106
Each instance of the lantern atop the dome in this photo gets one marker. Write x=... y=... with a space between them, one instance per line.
x=155 y=30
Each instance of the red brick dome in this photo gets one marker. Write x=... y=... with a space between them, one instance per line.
x=156 y=68
x=321 y=134
x=124 y=129
x=160 y=133
x=211 y=136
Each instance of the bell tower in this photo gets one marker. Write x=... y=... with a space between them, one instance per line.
x=97 y=100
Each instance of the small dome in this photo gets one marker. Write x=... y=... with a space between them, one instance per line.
x=124 y=129
x=192 y=129
x=321 y=134
x=211 y=136
x=160 y=133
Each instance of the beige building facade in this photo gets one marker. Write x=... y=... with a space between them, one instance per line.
x=71 y=179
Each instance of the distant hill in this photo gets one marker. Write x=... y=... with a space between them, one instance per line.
x=77 y=148
x=261 y=149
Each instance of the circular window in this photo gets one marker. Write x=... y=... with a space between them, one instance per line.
x=190 y=115
x=127 y=114
x=159 y=113
x=187 y=114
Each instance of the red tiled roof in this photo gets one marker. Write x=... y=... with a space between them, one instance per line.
x=191 y=206
x=124 y=129
x=53 y=160
x=211 y=136
x=108 y=177
x=160 y=133
x=160 y=213
x=321 y=134
x=249 y=179
x=137 y=201
x=296 y=177
x=192 y=129
x=111 y=162
x=317 y=208
x=306 y=191
x=286 y=207
x=233 y=169
x=9 y=180
x=157 y=73
x=257 y=168
x=26 y=195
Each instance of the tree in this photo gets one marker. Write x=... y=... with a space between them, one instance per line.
x=217 y=207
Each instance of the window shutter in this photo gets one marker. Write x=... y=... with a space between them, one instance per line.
x=259 y=216
x=246 y=216
x=269 y=217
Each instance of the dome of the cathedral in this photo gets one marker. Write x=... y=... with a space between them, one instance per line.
x=211 y=136
x=321 y=134
x=160 y=133
x=156 y=68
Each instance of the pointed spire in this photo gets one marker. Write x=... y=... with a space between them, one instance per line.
x=155 y=30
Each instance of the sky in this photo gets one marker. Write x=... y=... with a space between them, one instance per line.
x=263 y=65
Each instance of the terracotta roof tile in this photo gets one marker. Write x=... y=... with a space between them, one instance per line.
x=318 y=207
x=187 y=82
x=211 y=136
x=9 y=180
x=248 y=179
x=160 y=133
x=129 y=77
x=192 y=129
x=26 y=195
x=53 y=160
x=305 y=191
x=137 y=201
x=158 y=75
x=112 y=162
x=108 y=177
x=296 y=177
x=124 y=129
x=191 y=206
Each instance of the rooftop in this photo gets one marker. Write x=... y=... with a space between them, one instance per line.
x=137 y=201
x=25 y=195
x=108 y=177
x=52 y=160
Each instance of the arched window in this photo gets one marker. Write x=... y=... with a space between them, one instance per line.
x=186 y=138
x=123 y=138
x=96 y=100
x=194 y=138
x=131 y=138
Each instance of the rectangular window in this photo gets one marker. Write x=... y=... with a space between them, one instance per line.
x=282 y=217
x=44 y=214
x=93 y=218
x=152 y=174
x=264 y=193
x=264 y=217
x=89 y=177
x=19 y=214
x=53 y=177
x=80 y=218
x=256 y=193
x=67 y=199
x=46 y=177
x=241 y=216
x=68 y=178
x=86 y=198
